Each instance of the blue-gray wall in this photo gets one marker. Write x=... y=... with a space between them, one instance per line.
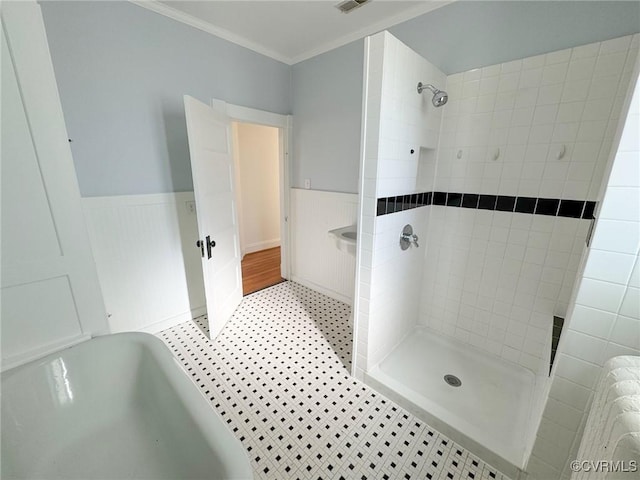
x=327 y=113
x=122 y=71
x=466 y=35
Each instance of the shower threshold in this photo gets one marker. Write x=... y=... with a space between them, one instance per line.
x=484 y=403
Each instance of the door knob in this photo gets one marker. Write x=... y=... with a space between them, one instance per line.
x=200 y=245
x=210 y=245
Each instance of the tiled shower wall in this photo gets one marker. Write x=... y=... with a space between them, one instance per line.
x=495 y=279
x=604 y=321
x=398 y=122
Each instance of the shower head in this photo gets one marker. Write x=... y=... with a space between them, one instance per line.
x=439 y=97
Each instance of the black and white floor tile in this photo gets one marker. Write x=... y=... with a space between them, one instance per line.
x=278 y=374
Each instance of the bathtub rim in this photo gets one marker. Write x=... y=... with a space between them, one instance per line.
x=219 y=437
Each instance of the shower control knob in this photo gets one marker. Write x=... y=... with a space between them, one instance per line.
x=408 y=238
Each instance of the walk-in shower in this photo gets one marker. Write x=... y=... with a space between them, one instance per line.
x=440 y=97
x=501 y=235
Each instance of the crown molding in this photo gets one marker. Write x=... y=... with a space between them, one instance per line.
x=424 y=7
x=182 y=17
x=187 y=19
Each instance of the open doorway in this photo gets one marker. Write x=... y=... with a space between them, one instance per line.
x=256 y=155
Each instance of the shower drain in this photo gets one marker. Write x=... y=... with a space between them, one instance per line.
x=452 y=380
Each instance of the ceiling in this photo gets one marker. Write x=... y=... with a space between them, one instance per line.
x=290 y=31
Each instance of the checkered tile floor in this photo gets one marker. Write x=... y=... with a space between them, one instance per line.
x=279 y=375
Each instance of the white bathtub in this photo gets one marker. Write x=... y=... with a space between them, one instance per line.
x=116 y=407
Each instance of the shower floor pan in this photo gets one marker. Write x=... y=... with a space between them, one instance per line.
x=489 y=413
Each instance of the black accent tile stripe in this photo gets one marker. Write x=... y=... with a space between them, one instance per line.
x=570 y=208
x=547 y=206
x=470 y=200
x=526 y=204
x=505 y=204
x=487 y=202
x=454 y=199
x=439 y=198
x=501 y=203
x=589 y=210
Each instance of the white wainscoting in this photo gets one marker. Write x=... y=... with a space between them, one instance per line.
x=316 y=262
x=148 y=264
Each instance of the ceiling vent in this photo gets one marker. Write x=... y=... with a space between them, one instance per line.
x=350 y=5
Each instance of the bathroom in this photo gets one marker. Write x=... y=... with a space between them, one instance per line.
x=135 y=181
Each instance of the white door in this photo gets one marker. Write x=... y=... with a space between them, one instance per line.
x=209 y=133
x=50 y=292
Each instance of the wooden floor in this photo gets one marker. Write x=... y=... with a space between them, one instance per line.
x=260 y=270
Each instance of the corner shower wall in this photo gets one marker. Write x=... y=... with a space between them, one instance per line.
x=398 y=122
x=495 y=279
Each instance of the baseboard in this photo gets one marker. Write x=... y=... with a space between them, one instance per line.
x=256 y=247
x=198 y=311
x=157 y=327
x=325 y=291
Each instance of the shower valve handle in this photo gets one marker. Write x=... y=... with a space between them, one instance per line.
x=411 y=238
x=407 y=237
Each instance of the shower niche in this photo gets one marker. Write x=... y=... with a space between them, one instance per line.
x=426 y=172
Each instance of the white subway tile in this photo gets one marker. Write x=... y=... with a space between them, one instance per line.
x=634 y=281
x=614 y=349
x=508 y=82
x=596 y=323
x=597 y=92
x=471 y=75
x=611 y=64
x=609 y=266
x=553 y=74
x=551 y=94
x=626 y=170
x=630 y=141
x=576 y=370
x=616 y=236
x=570 y=393
x=581 y=69
x=575 y=90
x=533 y=62
x=615 y=45
x=565 y=132
x=592 y=130
x=563 y=414
x=585 y=51
x=491 y=71
x=531 y=78
x=583 y=347
x=570 y=112
x=621 y=203
x=631 y=303
x=558 y=56
x=596 y=110
x=626 y=331
x=601 y=295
